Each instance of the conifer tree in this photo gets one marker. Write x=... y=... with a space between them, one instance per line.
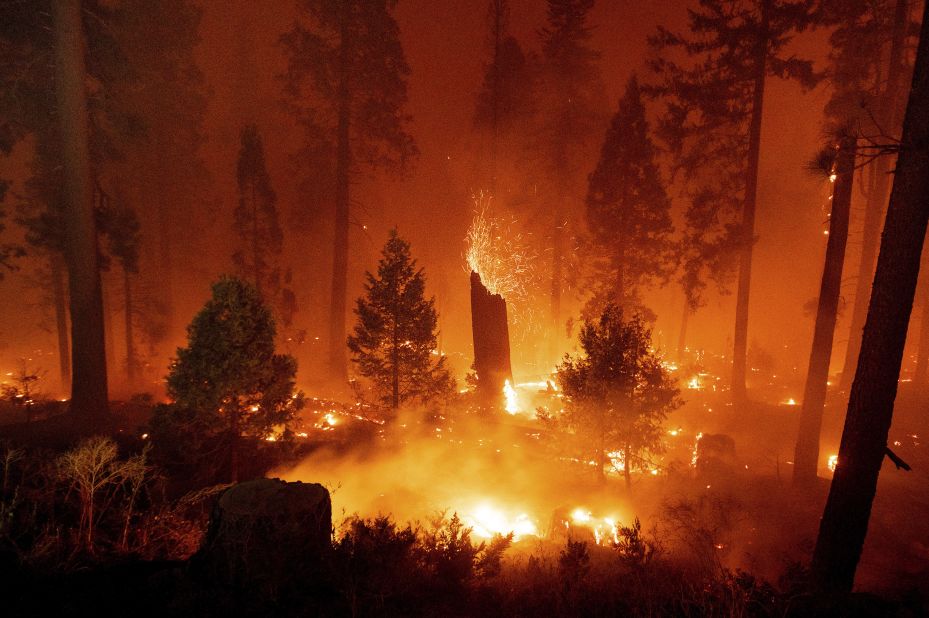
x=628 y=211
x=346 y=84
x=394 y=341
x=715 y=102
x=229 y=372
x=256 y=220
x=572 y=112
x=505 y=101
x=618 y=393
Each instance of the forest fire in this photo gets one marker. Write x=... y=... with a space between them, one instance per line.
x=305 y=311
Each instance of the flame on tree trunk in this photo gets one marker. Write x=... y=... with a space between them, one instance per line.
x=844 y=524
x=806 y=455
x=491 y=341
x=88 y=352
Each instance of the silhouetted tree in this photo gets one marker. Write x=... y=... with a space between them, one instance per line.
x=572 y=111
x=167 y=95
x=228 y=375
x=844 y=523
x=8 y=251
x=89 y=397
x=618 y=393
x=122 y=228
x=256 y=220
x=628 y=211
x=504 y=103
x=870 y=66
x=713 y=125
x=346 y=83
x=394 y=342
x=806 y=454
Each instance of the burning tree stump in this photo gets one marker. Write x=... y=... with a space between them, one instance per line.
x=491 y=341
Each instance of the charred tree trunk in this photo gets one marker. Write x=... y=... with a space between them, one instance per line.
x=61 y=320
x=131 y=364
x=806 y=455
x=88 y=351
x=844 y=523
x=337 y=355
x=491 y=341
x=740 y=342
x=877 y=200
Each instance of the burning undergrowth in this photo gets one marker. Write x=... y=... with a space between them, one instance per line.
x=500 y=475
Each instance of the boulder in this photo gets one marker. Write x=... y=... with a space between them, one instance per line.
x=267 y=534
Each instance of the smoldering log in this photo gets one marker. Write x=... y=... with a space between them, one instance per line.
x=491 y=340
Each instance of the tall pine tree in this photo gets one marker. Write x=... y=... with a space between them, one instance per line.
x=256 y=221
x=395 y=339
x=346 y=83
x=628 y=211
x=572 y=113
x=715 y=105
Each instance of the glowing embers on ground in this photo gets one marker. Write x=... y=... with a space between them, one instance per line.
x=487 y=520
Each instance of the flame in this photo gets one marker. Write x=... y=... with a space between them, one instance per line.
x=695 y=384
x=790 y=402
x=693 y=459
x=487 y=520
x=602 y=528
x=832 y=462
x=509 y=393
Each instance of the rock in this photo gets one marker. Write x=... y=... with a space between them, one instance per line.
x=267 y=534
x=716 y=456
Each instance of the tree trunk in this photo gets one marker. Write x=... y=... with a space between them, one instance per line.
x=88 y=351
x=619 y=290
x=682 y=335
x=337 y=355
x=491 y=337
x=877 y=200
x=61 y=320
x=922 y=355
x=844 y=523
x=740 y=344
x=806 y=455
x=130 y=343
